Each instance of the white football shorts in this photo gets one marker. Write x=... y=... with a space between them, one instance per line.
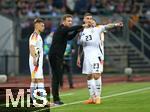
x=92 y=65
x=39 y=73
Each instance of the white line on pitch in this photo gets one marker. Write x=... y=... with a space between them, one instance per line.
x=109 y=96
x=62 y=95
x=67 y=94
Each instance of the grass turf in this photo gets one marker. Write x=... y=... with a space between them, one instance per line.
x=137 y=101
x=130 y=102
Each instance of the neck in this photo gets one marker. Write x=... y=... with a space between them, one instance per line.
x=88 y=27
x=37 y=31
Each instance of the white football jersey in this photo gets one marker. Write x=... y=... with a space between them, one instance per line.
x=36 y=40
x=92 y=44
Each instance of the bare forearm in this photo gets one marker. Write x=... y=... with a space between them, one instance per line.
x=112 y=25
x=80 y=51
x=32 y=51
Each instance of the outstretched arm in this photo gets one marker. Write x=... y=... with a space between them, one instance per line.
x=112 y=25
x=72 y=31
x=71 y=35
x=73 y=28
x=102 y=28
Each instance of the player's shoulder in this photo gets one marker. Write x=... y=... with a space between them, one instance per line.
x=99 y=26
x=34 y=36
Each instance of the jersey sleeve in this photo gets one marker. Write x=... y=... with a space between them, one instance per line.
x=101 y=28
x=33 y=39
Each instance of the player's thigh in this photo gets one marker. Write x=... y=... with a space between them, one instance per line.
x=87 y=67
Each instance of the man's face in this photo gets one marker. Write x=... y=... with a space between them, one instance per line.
x=40 y=26
x=68 y=22
x=93 y=23
x=88 y=20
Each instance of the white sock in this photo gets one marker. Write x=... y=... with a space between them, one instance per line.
x=91 y=85
x=33 y=87
x=98 y=84
x=41 y=86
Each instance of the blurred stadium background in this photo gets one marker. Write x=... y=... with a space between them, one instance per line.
x=128 y=47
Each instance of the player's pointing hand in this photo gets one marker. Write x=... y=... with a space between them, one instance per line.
x=119 y=24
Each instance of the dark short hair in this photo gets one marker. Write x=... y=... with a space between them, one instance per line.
x=66 y=16
x=87 y=14
x=38 y=20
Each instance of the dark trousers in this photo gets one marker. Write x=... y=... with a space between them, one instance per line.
x=68 y=71
x=56 y=65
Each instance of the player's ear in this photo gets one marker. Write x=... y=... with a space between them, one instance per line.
x=35 y=25
x=63 y=22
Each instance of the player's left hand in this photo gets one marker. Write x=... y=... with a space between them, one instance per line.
x=78 y=62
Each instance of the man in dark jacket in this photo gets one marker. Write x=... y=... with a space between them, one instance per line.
x=63 y=33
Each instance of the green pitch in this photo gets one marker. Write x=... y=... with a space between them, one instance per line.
x=117 y=97
x=122 y=97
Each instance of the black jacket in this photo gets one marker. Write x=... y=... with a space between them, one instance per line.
x=60 y=37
